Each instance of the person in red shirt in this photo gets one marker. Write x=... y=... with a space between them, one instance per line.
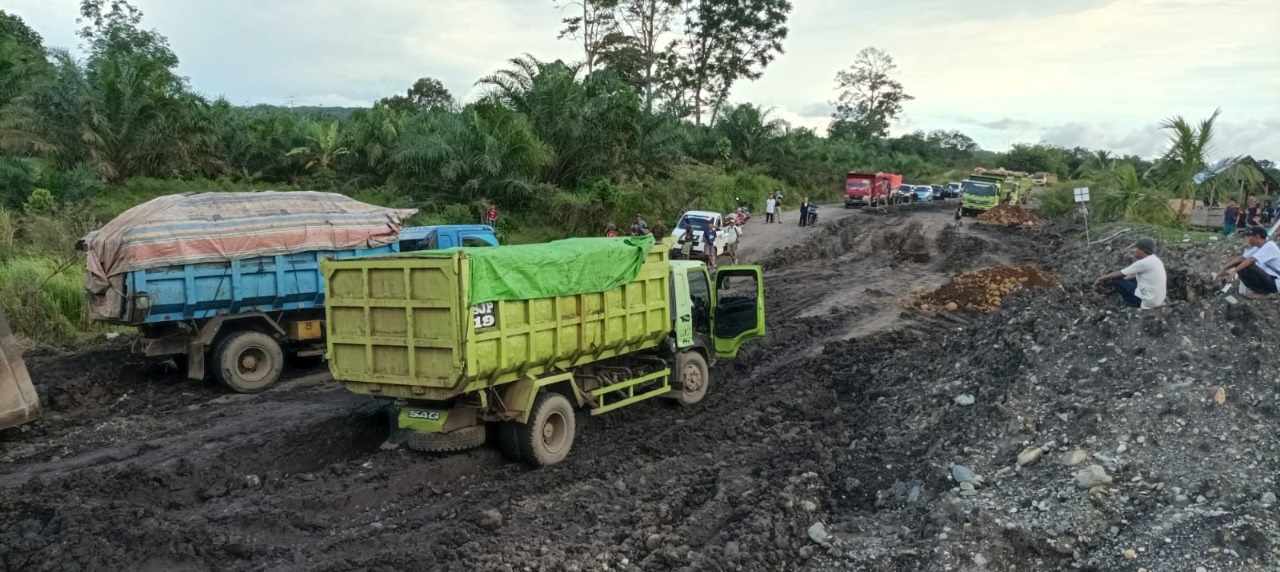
x=491 y=215
x=611 y=231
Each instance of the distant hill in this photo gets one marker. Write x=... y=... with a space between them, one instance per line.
x=338 y=112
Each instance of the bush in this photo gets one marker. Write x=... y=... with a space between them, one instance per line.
x=44 y=299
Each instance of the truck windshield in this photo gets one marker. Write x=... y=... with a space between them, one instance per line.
x=860 y=184
x=697 y=223
x=978 y=189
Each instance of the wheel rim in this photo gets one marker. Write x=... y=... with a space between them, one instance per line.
x=692 y=378
x=253 y=364
x=555 y=432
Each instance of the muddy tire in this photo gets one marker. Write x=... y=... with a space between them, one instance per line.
x=548 y=436
x=693 y=376
x=456 y=440
x=509 y=441
x=248 y=362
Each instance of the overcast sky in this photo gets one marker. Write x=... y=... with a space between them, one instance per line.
x=1095 y=73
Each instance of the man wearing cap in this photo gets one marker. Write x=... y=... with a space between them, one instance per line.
x=1259 y=268
x=1141 y=284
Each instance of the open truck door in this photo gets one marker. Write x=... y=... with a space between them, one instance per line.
x=18 y=401
x=739 y=309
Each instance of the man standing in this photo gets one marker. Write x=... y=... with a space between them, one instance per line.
x=686 y=240
x=659 y=232
x=1141 y=284
x=769 y=205
x=804 y=211
x=709 y=243
x=1230 y=215
x=730 y=236
x=1259 y=268
x=491 y=216
x=639 y=227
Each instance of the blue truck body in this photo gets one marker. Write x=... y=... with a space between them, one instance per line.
x=246 y=314
x=264 y=284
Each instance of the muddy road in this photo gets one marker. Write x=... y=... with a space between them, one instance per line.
x=138 y=469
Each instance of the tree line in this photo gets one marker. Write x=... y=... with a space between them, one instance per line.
x=649 y=101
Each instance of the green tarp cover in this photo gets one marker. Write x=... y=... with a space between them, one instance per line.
x=561 y=268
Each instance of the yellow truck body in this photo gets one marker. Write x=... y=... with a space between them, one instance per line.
x=402 y=327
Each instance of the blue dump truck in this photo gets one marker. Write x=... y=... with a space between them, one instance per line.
x=229 y=283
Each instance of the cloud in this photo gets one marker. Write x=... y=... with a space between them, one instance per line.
x=1093 y=72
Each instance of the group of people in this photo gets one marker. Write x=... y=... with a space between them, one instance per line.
x=773 y=209
x=639 y=228
x=1142 y=284
x=1254 y=213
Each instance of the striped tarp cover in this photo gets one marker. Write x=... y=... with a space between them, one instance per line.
x=216 y=227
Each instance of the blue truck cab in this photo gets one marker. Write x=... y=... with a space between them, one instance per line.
x=244 y=315
x=440 y=237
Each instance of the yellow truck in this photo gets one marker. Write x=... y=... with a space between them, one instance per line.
x=1043 y=179
x=523 y=336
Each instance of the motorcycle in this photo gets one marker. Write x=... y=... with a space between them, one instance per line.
x=744 y=207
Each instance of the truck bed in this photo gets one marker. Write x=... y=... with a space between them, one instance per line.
x=403 y=326
x=259 y=284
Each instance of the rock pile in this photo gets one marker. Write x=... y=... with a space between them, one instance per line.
x=1009 y=215
x=984 y=290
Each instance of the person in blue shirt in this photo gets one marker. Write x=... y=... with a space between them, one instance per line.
x=709 y=244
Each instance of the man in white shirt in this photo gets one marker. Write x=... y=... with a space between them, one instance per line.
x=769 y=206
x=1259 y=268
x=1141 y=284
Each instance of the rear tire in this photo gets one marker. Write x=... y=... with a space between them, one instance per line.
x=509 y=441
x=548 y=436
x=248 y=361
x=456 y=440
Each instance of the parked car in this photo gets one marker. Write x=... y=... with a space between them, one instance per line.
x=903 y=194
x=938 y=192
x=698 y=221
x=952 y=190
x=923 y=193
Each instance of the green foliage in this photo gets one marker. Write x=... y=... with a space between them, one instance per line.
x=44 y=299
x=1186 y=156
x=1035 y=158
x=1058 y=200
x=1125 y=196
x=41 y=202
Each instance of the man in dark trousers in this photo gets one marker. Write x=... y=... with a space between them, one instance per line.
x=804 y=211
x=1141 y=284
x=1259 y=268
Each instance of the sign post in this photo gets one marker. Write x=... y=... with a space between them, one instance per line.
x=1082 y=198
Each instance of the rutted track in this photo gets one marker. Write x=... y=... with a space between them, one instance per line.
x=180 y=475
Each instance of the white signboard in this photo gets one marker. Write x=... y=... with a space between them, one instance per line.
x=1082 y=194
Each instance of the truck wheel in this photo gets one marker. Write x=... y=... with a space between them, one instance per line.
x=456 y=440
x=248 y=362
x=509 y=440
x=694 y=378
x=548 y=436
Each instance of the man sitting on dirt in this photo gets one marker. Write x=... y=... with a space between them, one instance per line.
x=1259 y=268
x=1141 y=284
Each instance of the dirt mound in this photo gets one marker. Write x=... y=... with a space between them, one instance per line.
x=984 y=290
x=1009 y=215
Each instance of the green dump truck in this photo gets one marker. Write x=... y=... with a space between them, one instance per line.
x=979 y=194
x=522 y=336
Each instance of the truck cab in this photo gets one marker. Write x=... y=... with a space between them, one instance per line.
x=977 y=196
x=440 y=237
x=858 y=189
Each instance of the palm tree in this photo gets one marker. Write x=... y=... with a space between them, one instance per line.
x=1186 y=157
x=1124 y=196
x=324 y=146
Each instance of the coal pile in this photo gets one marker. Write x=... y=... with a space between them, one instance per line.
x=1063 y=432
x=1009 y=215
x=984 y=290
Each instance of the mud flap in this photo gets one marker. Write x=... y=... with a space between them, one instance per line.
x=18 y=400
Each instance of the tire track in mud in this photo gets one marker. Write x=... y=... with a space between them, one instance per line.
x=294 y=479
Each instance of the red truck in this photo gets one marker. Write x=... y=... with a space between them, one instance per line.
x=863 y=189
